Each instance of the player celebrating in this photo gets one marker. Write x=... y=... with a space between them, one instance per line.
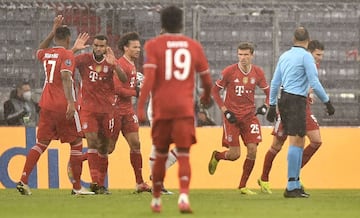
x=171 y=160
x=169 y=71
x=126 y=120
x=58 y=116
x=97 y=105
x=240 y=80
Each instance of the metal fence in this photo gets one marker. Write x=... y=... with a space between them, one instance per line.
x=218 y=26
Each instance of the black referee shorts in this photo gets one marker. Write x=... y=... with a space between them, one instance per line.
x=292 y=110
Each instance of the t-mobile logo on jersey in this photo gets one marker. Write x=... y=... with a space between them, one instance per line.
x=93 y=76
x=239 y=90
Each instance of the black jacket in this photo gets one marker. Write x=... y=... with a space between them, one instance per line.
x=18 y=112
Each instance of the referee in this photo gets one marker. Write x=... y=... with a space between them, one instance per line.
x=295 y=73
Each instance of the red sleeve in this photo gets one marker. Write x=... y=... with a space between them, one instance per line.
x=150 y=57
x=267 y=94
x=215 y=93
x=40 y=54
x=68 y=62
x=263 y=84
x=202 y=65
x=220 y=84
x=206 y=84
x=122 y=91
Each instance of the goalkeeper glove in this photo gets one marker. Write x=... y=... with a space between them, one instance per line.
x=230 y=116
x=271 y=113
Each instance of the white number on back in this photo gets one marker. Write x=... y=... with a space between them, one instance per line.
x=182 y=62
x=49 y=76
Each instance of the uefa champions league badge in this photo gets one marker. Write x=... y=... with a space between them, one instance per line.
x=68 y=62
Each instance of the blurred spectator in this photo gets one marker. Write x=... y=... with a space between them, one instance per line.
x=353 y=55
x=203 y=117
x=20 y=109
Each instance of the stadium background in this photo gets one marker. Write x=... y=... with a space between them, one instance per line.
x=219 y=26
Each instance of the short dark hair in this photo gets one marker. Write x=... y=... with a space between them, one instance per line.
x=23 y=83
x=246 y=46
x=62 y=32
x=101 y=37
x=124 y=40
x=19 y=86
x=172 y=19
x=301 y=34
x=315 y=44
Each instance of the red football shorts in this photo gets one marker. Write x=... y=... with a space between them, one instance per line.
x=180 y=131
x=126 y=124
x=249 y=129
x=97 y=122
x=54 y=126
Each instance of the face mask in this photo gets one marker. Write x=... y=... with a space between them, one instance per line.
x=27 y=95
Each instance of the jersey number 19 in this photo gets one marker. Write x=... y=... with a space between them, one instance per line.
x=180 y=59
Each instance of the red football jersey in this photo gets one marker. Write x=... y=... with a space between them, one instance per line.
x=125 y=90
x=55 y=60
x=97 y=84
x=240 y=88
x=176 y=58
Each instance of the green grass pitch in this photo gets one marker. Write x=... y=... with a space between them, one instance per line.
x=205 y=203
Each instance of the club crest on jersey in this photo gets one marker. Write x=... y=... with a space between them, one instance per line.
x=252 y=80
x=106 y=69
x=245 y=80
x=68 y=62
x=84 y=126
x=98 y=68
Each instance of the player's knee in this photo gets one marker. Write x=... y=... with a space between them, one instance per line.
x=111 y=149
x=134 y=143
x=232 y=156
x=103 y=149
x=315 y=144
x=251 y=156
x=111 y=146
x=275 y=149
x=277 y=144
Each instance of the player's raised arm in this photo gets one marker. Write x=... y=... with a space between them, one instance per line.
x=57 y=23
x=110 y=58
x=80 y=42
